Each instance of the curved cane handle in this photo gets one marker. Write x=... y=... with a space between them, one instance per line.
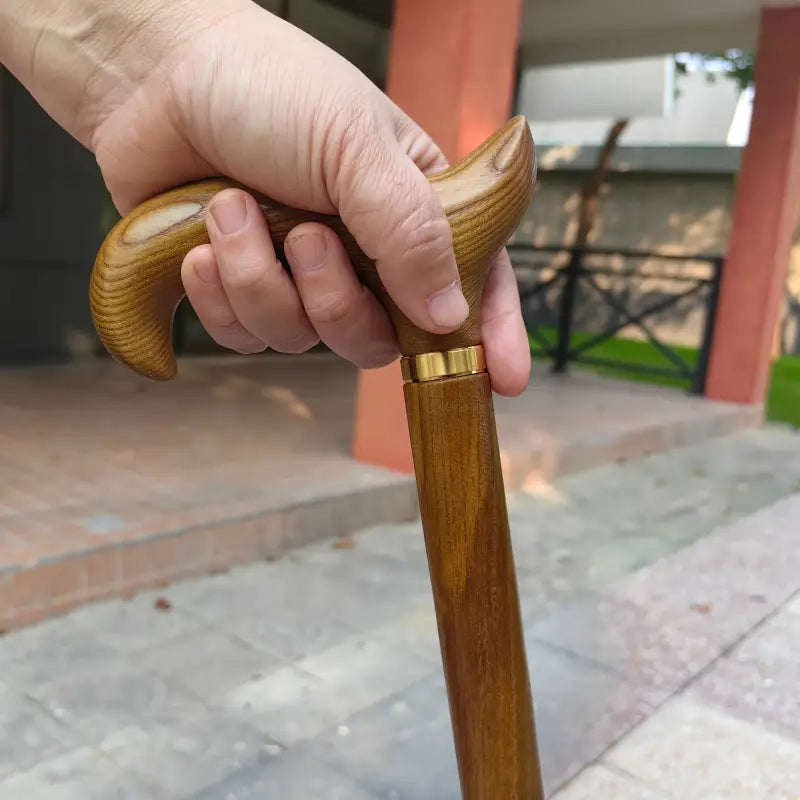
x=136 y=284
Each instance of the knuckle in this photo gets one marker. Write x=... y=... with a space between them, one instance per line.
x=220 y=318
x=356 y=138
x=245 y=274
x=424 y=236
x=332 y=308
x=228 y=332
x=360 y=124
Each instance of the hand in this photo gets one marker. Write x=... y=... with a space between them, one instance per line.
x=238 y=92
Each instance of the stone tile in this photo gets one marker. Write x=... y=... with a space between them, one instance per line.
x=27 y=732
x=542 y=588
x=353 y=590
x=98 y=701
x=691 y=750
x=136 y=624
x=361 y=656
x=682 y=495
x=588 y=531
x=289 y=705
x=757 y=681
x=207 y=664
x=402 y=748
x=403 y=542
x=294 y=776
x=603 y=783
x=282 y=638
x=669 y=620
x=580 y=711
x=82 y=774
x=48 y=651
x=743 y=571
x=414 y=632
x=348 y=511
x=646 y=650
x=361 y=590
x=297 y=703
x=752 y=558
x=189 y=753
x=212 y=597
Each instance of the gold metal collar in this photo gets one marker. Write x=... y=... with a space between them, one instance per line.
x=447 y=364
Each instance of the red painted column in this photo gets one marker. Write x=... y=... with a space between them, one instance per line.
x=765 y=215
x=452 y=68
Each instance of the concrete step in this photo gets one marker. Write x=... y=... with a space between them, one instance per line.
x=110 y=483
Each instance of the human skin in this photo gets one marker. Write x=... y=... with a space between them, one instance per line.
x=166 y=92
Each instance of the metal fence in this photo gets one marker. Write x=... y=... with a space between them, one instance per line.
x=623 y=288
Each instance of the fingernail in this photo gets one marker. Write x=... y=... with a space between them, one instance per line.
x=206 y=271
x=448 y=308
x=307 y=250
x=229 y=213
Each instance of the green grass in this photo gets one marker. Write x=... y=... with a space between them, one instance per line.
x=783 y=399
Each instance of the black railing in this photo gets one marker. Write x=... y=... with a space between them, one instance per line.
x=552 y=279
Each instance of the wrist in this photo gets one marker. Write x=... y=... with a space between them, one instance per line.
x=81 y=59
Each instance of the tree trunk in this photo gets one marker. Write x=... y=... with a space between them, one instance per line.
x=594 y=182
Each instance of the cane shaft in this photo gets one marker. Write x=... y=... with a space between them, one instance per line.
x=463 y=508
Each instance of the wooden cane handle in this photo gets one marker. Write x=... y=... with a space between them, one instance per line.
x=136 y=284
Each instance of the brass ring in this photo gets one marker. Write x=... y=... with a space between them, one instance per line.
x=447 y=364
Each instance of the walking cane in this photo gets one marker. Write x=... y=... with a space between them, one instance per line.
x=135 y=288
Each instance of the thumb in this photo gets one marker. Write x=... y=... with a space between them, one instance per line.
x=389 y=206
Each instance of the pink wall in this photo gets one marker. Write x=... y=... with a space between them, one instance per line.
x=451 y=68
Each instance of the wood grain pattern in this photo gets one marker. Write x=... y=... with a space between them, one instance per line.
x=135 y=284
x=462 y=502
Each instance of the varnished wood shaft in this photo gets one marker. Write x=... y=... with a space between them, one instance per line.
x=463 y=508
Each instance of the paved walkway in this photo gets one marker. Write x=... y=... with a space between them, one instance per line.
x=112 y=483
x=662 y=621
